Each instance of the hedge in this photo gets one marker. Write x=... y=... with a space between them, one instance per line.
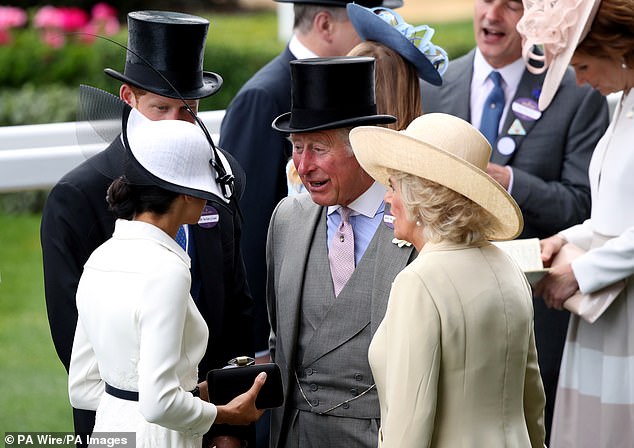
x=39 y=83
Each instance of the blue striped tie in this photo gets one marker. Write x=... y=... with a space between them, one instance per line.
x=493 y=108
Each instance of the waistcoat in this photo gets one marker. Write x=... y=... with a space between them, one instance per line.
x=331 y=367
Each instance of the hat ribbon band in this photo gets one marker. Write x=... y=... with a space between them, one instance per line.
x=182 y=81
x=307 y=118
x=420 y=36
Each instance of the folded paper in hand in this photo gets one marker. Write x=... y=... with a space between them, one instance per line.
x=589 y=306
x=527 y=254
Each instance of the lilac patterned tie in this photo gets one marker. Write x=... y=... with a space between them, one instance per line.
x=341 y=254
x=181 y=238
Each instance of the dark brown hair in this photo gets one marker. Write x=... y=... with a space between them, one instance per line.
x=612 y=33
x=397 y=83
x=126 y=200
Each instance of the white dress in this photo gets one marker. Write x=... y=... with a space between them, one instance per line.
x=594 y=407
x=139 y=330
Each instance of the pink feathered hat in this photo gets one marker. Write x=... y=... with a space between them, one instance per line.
x=555 y=27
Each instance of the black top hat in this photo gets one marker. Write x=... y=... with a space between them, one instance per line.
x=172 y=44
x=331 y=93
x=342 y=3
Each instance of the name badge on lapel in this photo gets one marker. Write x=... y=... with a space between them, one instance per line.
x=209 y=217
x=526 y=109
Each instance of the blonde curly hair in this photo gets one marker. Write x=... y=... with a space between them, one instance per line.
x=444 y=214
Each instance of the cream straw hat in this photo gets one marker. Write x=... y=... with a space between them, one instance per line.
x=446 y=150
x=556 y=27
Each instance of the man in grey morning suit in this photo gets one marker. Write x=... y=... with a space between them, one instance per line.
x=540 y=158
x=321 y=29
x=320 y=340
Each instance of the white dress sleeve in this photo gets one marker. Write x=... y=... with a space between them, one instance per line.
x=607 y=264
x=579 y=235
x=162 y=317
x=85 y=386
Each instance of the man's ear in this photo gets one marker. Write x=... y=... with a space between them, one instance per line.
x=127 y=95
x=324 y=24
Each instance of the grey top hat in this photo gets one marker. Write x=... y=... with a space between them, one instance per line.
x=331 y=93
x=170 y=46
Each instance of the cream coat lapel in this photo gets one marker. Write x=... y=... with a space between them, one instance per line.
x=391 y=260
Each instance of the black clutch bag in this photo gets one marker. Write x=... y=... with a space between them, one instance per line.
x=227 y=383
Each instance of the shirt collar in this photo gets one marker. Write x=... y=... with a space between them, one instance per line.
x=368 y=204
x=299 y=50
x=511 y=73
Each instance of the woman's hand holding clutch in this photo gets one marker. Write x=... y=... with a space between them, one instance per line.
x=241 y=410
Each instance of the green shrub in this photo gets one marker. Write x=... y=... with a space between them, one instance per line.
x=34 y=105
x=455 y=37
x=39 y=84
x=237 y=46
x=23 y=202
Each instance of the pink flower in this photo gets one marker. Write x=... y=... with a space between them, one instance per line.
x=111 y=26
x=88 y=33
x=47 y=17
x=104 y=20
x=5 y=37
x=53 y=38
x=73 y=19
x=103 y=11
x=11 y=17
x=66 y=19
x=57 y=22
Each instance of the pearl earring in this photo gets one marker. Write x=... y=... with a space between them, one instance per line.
x=418 y=223
x=624 y=65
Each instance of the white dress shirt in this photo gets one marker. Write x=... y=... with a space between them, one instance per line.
x=367 y=214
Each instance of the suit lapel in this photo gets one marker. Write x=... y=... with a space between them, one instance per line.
x=456 y=95
x=528 y=88
x=208 y=251
x=305 y=220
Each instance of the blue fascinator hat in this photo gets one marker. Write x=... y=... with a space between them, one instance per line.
x=413 y=43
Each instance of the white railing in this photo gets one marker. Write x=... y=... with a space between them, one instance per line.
x=36 y=156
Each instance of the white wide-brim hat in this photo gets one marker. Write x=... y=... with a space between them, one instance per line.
x=446 y=150
x=556 y=28
x=171 y=154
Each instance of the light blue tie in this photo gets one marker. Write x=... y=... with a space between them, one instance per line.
x=181 y=238
x=493 y=108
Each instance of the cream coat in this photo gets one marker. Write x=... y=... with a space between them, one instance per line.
x=454 y=359
x=140 y=330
